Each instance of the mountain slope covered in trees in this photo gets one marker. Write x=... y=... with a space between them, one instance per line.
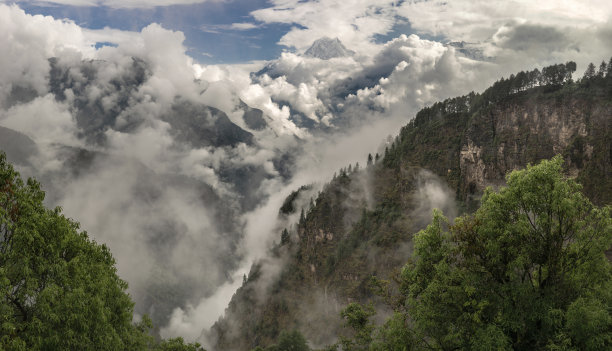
x=351 y=243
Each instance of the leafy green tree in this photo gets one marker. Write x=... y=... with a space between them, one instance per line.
x=177 y=344
x=570 y=68
x=287 y=341
x=527 y=271
x=292 y=341
x=394 y=335
x=357 y=318
x=59 y=290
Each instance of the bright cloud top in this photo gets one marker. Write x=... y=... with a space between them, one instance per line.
x=122 y=3
x=357 y=23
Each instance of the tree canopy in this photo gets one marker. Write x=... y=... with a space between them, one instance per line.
x=287 y=341
x=521 y=273
x=526 y=271
x=59 y=290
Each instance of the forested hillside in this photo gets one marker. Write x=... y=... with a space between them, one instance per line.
x=351 y=243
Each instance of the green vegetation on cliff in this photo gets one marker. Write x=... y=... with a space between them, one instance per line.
x=526 y=271
x=350 y=244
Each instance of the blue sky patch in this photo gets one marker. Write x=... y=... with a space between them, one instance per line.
x=216 y=32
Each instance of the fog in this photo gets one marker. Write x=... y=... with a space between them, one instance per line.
x=150 y=151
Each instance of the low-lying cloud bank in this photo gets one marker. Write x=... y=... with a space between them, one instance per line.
x=181 y=168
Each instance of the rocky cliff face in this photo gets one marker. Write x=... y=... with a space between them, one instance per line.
x=477 y=146
x=361 y=224
x=529 y=131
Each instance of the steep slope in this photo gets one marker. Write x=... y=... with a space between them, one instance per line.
x=327 y=48
x=360 y=225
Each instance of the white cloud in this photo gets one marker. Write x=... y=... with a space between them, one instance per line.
x=44 y=120
x=33 y=39
x=121 y=3
x=355 y=23
x=478 y=20
x=243 y=26
x=218 y=28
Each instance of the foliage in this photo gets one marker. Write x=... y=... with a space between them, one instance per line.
x=288 y=206
x=394 y=335
x=287 y=341
x=177 y=344
x=357 y=318
x=59 y=290
x=525 y=271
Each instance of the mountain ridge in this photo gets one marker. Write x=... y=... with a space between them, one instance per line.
x=326 y=48
x=449 y=153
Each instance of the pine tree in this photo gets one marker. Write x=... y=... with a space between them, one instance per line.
x=590 y=71
x=369 y=160
x=285 y=237
x=602 y=69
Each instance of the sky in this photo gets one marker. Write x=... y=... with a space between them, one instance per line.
x=208 y=53
x=237 y=31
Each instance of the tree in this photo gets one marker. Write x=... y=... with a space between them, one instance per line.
x=357 y=318
x=370 y=160
x=59 y=290
x=394 y=335
x=285 y=238
x=177 y=344
x=602 y=69
x=526 y=271
x=292 y=341
x=570 y=68
x=609 y=70
x=287 y=341
x=590 y=71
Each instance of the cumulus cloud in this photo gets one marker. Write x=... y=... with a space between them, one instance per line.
x=355 y=23
x=478 y=20
x=33 y=39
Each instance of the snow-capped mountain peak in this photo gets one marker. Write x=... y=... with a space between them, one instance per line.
x=326 y=48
